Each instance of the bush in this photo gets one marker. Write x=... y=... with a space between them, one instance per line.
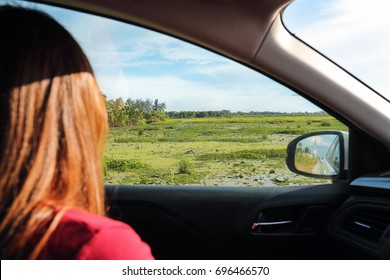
x=184 y=167
x=123 y=164
x=140 y=131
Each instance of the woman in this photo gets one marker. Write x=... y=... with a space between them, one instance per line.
x=53 y=125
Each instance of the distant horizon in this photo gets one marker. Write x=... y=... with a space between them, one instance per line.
x=319 y=112
x=256 y=112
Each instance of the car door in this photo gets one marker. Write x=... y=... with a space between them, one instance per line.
x=278 y=216
x=184 y=222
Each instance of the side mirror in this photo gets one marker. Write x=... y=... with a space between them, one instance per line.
x=321 y=154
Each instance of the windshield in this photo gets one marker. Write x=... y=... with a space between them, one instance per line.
x=352 y=33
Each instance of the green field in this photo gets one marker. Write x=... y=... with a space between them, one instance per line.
x=236 y=151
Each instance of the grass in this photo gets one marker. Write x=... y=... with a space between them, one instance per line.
x=208 y=151
x=259 y=154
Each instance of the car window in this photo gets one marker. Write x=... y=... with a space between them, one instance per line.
x=355 y=34
x=182 y=115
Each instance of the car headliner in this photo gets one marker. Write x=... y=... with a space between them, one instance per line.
x=252 y=32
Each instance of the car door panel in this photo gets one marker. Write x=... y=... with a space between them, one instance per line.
x=192 y=222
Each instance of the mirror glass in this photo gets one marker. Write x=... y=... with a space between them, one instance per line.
x=318 y=155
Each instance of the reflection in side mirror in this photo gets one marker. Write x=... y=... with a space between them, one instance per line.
x=320 y=154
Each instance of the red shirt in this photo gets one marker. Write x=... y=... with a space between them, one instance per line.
x=85 y=236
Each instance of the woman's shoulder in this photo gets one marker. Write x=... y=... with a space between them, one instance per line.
x=91 y=221
x=82 y=235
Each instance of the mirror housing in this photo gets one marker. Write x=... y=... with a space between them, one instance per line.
x=320 y=154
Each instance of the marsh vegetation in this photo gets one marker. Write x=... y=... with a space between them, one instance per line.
x=216 y=151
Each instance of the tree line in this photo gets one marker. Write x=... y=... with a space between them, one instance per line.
x=122 y=113
x=227 y=113
x=129 y=112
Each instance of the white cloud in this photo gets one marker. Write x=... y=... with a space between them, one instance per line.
x=180 y=51
x=320 y=140
x=180 y=94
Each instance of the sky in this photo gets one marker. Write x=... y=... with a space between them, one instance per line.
x=319 y=143
x=132 y=62
x=353 y=33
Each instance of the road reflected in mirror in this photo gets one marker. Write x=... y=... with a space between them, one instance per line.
x=318 y=155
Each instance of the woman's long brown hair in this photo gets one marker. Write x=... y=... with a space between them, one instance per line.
x=53 y=124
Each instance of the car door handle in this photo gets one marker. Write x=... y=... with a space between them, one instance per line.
x=269 y=226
